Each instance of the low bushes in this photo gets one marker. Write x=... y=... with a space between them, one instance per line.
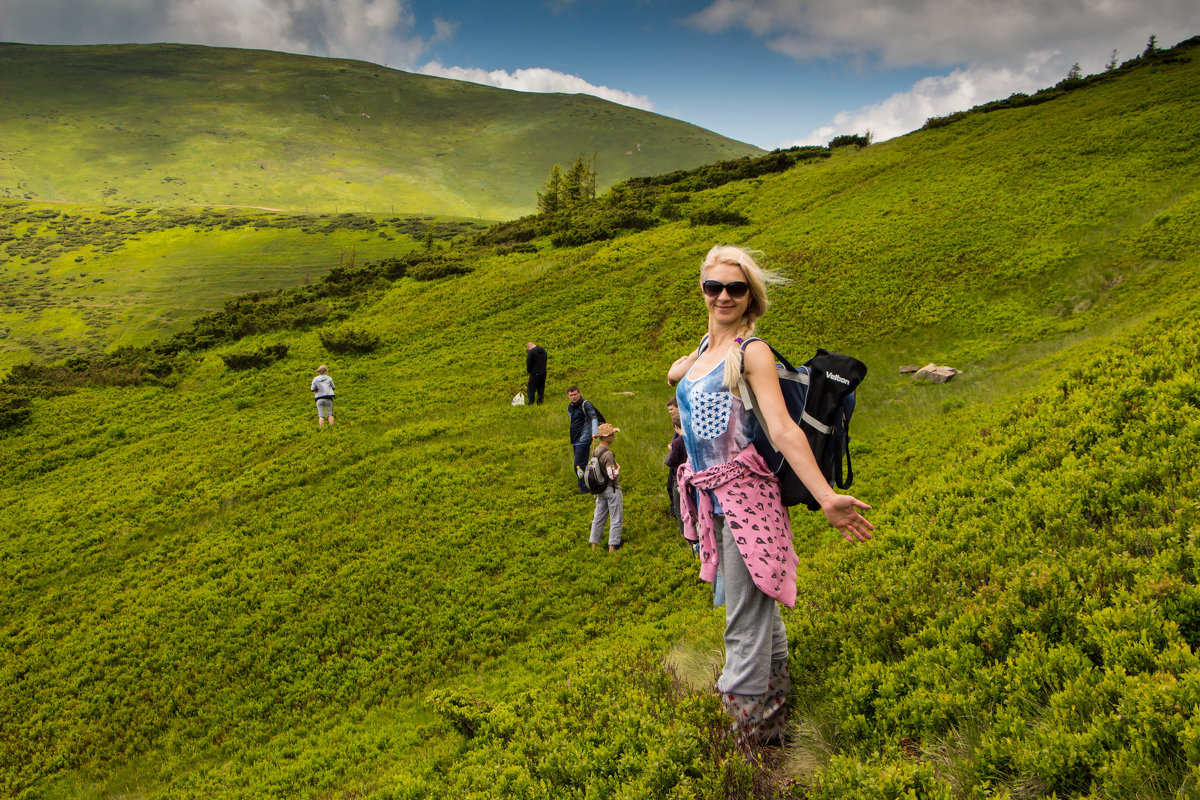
x=850 y=140
x=14 y=409
x=621 y=726
x=348 y=340
x=438 y=268
x=262 y=357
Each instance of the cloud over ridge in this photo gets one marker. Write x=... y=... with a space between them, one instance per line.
x=537 y=80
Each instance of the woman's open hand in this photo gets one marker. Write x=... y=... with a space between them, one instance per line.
x=842 y=511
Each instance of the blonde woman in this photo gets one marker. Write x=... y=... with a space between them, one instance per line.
x=731 y=500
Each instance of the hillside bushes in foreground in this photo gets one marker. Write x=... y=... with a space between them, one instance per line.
x=1030 y=617
x=621 y=726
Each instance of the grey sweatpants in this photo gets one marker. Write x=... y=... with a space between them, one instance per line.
x=610 y=506
x=754 y=632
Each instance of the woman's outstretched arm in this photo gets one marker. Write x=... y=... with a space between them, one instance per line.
x=842 y=510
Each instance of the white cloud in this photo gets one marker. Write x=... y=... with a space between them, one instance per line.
x=537 y=80
x=979 y=41
x=371 y=30
x=937 y=96
x=444 y=30
x=951 y=32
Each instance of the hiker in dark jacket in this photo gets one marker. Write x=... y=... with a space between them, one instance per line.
x=585 y=423
x=535 y=367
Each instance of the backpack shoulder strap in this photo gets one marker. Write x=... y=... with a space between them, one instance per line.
x=778 y=355
x=747 y=394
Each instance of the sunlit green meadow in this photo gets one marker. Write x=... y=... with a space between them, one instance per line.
x=205 y=595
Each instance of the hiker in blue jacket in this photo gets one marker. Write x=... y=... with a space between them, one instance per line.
x=322 y=387
x=585 y=425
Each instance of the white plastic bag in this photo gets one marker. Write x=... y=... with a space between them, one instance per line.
x=519 y=399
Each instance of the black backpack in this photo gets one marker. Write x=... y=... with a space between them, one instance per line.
x=820 y=398
x=599 y=416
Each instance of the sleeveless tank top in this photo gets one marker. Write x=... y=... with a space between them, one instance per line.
x=716 y=426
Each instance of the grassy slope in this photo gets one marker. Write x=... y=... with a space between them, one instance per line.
x=171 y=124
x=78 y=279
x=206 y=598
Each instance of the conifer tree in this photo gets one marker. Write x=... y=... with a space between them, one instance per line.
x=580 y=183
x=565 y=191
x=591 y=178
x=550 y=199
x=575 y=182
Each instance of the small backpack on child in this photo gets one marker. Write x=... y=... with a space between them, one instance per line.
x=592 y=476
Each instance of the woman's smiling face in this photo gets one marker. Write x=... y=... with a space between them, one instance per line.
x=723 y=308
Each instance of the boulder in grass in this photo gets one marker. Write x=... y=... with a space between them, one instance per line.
x=909 y=369
x=935 y=373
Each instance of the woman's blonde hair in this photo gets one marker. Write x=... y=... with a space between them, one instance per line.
x=758 y=279
x=322 y=370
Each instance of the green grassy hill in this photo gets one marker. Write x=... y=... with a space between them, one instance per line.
x=77 y=280
x=205 y=596
x=174 y=125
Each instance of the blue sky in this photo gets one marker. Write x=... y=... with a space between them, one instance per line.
x=769 y=72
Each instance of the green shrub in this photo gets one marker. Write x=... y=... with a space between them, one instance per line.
x=941 y=122
x=15 y=409
x=850 y=140
x=348 y=340
x=432 y=270
x=393 y=268
x=583 y=234
x=466 y=714
x=517 y=231
x=262 y=357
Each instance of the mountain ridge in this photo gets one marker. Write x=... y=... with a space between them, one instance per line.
x=174 y=124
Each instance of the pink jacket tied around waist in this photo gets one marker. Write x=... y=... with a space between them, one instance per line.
x=749 y=496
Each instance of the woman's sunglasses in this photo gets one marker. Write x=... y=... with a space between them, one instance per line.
x=735 y=289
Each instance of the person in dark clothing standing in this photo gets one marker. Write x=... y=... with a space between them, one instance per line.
x=585 y=422
x=535 y=366
x=676 y=455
